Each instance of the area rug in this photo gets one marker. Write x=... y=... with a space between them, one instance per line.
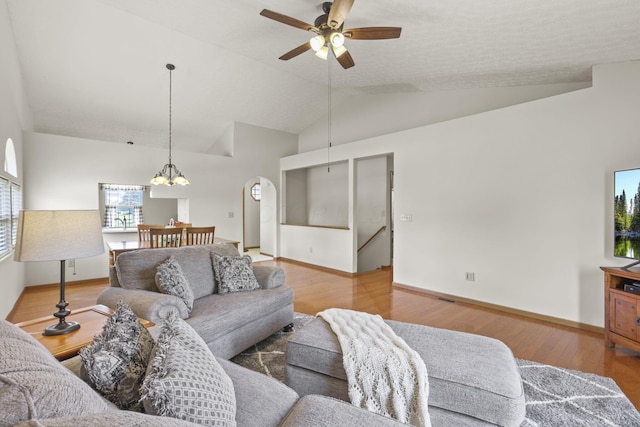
x=554 y=396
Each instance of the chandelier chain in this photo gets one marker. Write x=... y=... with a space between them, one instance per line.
x=170 y=81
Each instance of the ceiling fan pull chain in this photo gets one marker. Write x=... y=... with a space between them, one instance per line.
x=329 y=116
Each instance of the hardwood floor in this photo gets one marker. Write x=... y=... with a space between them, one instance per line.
x=316 y=289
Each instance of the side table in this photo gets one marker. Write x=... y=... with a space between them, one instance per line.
x=91 y=320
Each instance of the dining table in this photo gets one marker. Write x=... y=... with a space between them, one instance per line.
x=118 y=247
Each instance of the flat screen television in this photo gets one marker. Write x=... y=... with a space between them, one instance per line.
x=626 y=211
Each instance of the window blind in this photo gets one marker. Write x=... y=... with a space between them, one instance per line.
x=5 y=217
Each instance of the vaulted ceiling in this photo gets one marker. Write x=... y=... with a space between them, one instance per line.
x=96 y=68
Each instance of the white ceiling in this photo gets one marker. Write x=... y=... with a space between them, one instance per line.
x=96 y=68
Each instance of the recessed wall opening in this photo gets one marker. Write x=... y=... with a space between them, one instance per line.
x=315 y=197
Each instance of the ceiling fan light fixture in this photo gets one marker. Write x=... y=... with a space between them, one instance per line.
x=339 y=50
x=317 y=42
x=323 y=52
x=336 y=39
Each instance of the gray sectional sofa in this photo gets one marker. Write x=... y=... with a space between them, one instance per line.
x=229 y=323
x=36 y=390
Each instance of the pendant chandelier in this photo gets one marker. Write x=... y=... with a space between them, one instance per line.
x=169 y=175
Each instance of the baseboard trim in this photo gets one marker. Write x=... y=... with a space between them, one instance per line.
x=530 y=314
x=32 y=288
x=318 y=267
x=35 y=288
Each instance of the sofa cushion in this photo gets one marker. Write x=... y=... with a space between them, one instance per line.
x=185 y=381
x=33 y=384
x=234 y=274
x=216 y=315
x=170 y=279
x=137 y=269
x=468 y=374
x=315 y=410
x=116 y=361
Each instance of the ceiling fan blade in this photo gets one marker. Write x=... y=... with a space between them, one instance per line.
x=295 y=52
x=288 y=20
x=373 y=33
x=346 y=60
x=339 y=11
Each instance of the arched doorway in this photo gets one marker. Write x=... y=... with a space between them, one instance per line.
x=260 y=226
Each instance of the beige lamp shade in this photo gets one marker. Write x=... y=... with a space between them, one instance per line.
x=58 y=235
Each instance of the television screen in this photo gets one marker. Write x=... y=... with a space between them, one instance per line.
x=627 y=214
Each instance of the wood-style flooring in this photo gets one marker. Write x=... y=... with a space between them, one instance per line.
x=316 y=289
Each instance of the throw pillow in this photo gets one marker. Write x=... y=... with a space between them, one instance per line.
x=185 y=381
x=234 y=274
x=116 y=362
x=170 y=279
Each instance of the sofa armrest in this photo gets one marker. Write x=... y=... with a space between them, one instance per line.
x=269 y=277
x=148 y=305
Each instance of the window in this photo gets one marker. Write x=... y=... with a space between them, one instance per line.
x=122 y=205
x=256 y=192
x=10 y=205
x=10 y=163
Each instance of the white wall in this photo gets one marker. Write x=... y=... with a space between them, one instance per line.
x=160 y=211
x=328 y=195
x=328 y=247
x=522 y=196
x=70 y=182
x=366 y=116
x=14 y=116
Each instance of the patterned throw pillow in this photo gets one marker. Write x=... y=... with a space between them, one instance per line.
x=234 y=274
x=185 y=381
x=116 y=362
x=170 y=280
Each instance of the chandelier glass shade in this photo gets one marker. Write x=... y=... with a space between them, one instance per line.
x=169 y=174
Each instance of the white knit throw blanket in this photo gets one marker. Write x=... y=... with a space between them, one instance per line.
x=384 y=374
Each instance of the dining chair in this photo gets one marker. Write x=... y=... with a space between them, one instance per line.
x=165 y=237
x=143 y=231
x=200 y=235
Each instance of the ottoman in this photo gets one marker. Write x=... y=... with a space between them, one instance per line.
x=473 y=380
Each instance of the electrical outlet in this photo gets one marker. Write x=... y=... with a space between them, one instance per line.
x=310 y=250
x=406 y=217
x=71 y=263
x=471 y=277
x=230 y=215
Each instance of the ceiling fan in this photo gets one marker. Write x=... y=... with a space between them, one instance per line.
x=330 y=33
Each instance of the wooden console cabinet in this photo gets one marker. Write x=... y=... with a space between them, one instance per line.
x=621 y=309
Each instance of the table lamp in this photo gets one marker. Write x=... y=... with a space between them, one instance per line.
x=59 y=236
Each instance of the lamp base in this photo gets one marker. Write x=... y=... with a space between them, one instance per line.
x=61 y=328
